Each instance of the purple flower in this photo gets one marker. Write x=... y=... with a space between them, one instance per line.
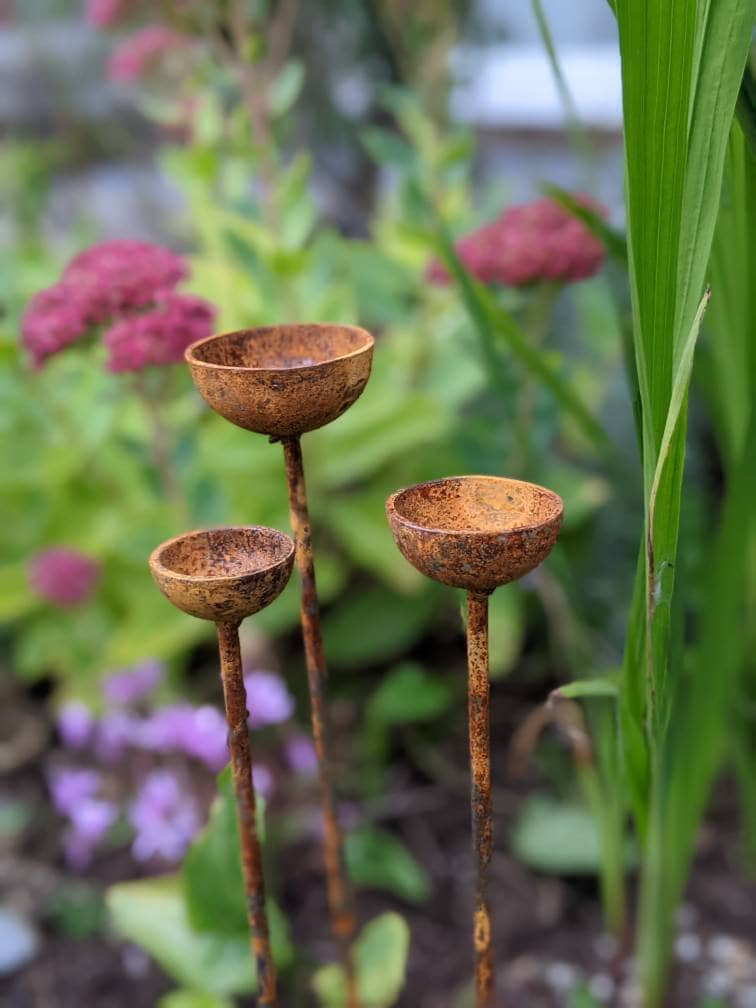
x=74 y=723
x=262 y=780
x=132 y=684
x=159 y=336
x=164 y=818
x=53 y=319
x=140 y=51
x=199 y=732
x=70 y=787
x=301 y=756
x=63 y=576
x=115 y=732
x=531 y=242
x=268 y=700
x=90 y=821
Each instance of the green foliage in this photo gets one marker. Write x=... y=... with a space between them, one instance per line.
x=192 y=999
x=377 y=859
x=380 y=957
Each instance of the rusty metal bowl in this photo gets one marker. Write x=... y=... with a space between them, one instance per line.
x=282 y=380
x=223 y=574
x=475 y=532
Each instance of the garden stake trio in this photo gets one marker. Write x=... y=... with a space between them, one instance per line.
x=470 y=532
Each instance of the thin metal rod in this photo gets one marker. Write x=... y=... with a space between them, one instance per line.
x=235 y=697
x=340 y=900
x=480 y=769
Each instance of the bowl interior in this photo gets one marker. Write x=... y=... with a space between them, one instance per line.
x=279 y=347
x=477 y=504
x=224 y=553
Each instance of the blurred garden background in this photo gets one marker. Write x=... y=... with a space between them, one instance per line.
x=449 y=174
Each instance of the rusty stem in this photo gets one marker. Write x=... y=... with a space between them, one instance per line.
x=235 y=698
x=340 y=904
x=480 y=769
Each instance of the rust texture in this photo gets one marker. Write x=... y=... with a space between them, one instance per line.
x=235 y=698
x=223 y=574
x=282 y=380
x=480 y=790
x=475 y=532
x=340 y=905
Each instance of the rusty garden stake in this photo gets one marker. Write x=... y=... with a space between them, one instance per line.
x=225 y=575
x=283 y=381
x=476 y=533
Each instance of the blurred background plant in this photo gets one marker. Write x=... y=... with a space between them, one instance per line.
x=317 y=162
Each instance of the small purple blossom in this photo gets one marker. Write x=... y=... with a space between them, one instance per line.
x=115 y=732
x=74 y=723
x=63 y=576
x=165 y=819
x=90 y=821
x=199 y=732
x=137 y=54
x=130 y=685
x=70 y=787
x=262 y=781
x=268 y=699
x=301 y=756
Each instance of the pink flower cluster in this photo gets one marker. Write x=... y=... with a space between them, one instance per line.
x=104 y=13
x=531 y=242
x=63 y=576
x=138 y=53
x=129 y=285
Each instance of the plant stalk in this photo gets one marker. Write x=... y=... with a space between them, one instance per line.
x=480 y=794
x=340 y=900
x=235 y=698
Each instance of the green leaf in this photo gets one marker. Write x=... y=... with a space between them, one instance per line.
x=603 y=687
x=193 y=999
x=381 y=959
x=212 y=881
x=408 y=694
x=377 y=859
x=506 y=630
x=286 y=88
x=388 y=149
x=16 y=597
x=376 y=625
x=556 y=837
x=152 y=913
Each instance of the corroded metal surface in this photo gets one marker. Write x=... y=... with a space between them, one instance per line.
x=223 y=574
x=282 y=380
x=235 y=698
x=480 y=793
x=475 y=532
x=340 y=905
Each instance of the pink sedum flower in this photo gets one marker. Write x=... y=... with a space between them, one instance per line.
x=63 y=576
x=53 y=319
x=528 y=243
x=158 y=336
x=130 y=685
x=164 y=817
x=104 y=13
x=139 y=52
x=268 y=699
x=74 y=723
x=122 y=274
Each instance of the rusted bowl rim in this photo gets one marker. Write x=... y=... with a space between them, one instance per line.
x=156 y=564
x=469 y=532
x=193 y=347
